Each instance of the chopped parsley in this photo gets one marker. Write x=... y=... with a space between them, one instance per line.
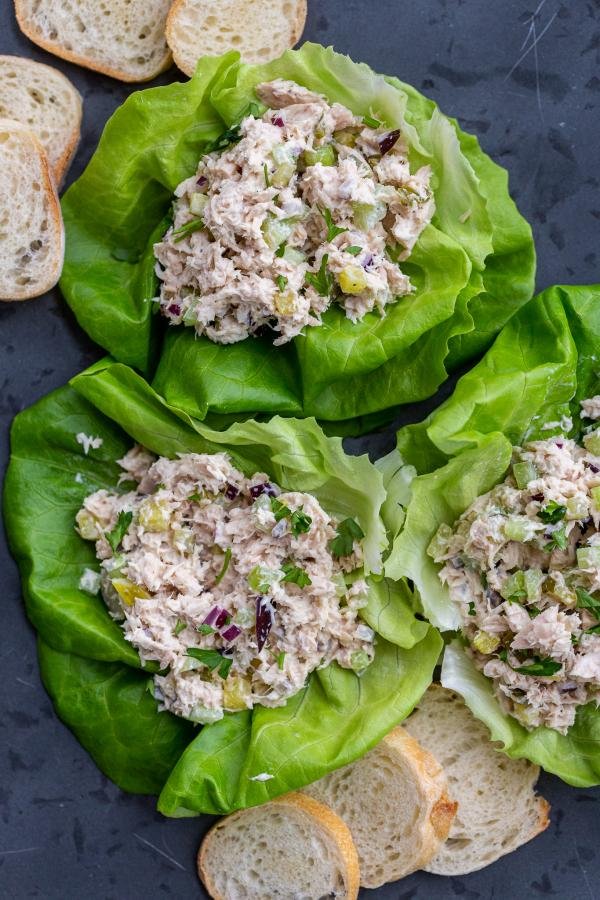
x=224 y=567
x=543 y=667
x=232 y=135
x=558 y=540
x=116 y=535
x=280 y=659
x=472 y=610
x=179 y=626
x=552 y=513
x=295 y=575
x=281 y=283
x=348 y=531
x=188 y=228
x=279 y=509
x=300 y=522
x=205 y=629
x=585 y=600
x=266 y=174
x=371 y=122
x=323 y=280
x=332 y=229
x=195 y=497
x=212 y=659
x=354 y=250
x=280 y=252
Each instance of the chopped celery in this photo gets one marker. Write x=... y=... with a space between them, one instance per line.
x=577 y=508
x=283 y=174
x=87 y=525
x=359 y=660
x=557 y=587
x=524 y=472
x=367 y=215
x=276 y=231
x=285 y=302
x=339 y=582
x=588 y=557
x=281 y=154
x=352 y=280
x=438 y=545
x=595 y=492
x=533 y=583
x=514 y=587
x=245 y=617
x=190 y=316
x=346 y=136
x=236 y=692
x=205 y=716
x=292 y=255
x=198 y=204
x=485 y=642
x=154 y=515
x=591 y=442
x=325 y=155
x=183 y=539
x=128 y=591
x=518 y=528
x=262 y=579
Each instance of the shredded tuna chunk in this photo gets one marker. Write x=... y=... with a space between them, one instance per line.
x=307 y=205
x=226 y=581
x=523 y=565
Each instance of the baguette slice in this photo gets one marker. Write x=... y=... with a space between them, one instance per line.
x=290 y=847
x=122 y=38
x=395 y=802
x=31 y=227
x=498 y=809
x=260 y=29
x=43 y=100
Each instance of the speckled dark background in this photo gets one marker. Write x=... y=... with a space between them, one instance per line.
x=65 y=831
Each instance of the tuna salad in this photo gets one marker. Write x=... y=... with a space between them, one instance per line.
x=523 y=565
x=294 y=208
x=238 y=590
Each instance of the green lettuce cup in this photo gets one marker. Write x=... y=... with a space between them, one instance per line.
x=95 y=677
x=541 y=366
x=472 y=267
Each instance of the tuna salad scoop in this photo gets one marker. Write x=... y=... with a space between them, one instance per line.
x=238 y=590
x=522 y=563
x=292 y=210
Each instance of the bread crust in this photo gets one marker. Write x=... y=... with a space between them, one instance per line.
x=54 y=212
x=88 y=63
x=63 y=162
x=326 y=819
x=298 y=23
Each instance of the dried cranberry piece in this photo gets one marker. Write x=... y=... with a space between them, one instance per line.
x=264 y=621
x=231 y=491
x=265 y=488
x=202 y=181
x=174 y=309
x=277 y=120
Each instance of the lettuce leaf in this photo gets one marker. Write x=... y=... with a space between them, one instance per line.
x=95 y=677
x=472 y=268
x=543 y=363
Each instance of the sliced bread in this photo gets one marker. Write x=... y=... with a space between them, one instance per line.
x=290 y=847
x=396 y=805
x=498 y=809
x=260 y=29
x=31 y=228
x=43 y=100
x=122 y=38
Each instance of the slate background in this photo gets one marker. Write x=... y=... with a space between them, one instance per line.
x=65 y=831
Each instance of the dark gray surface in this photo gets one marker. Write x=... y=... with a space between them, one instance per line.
x=65 y=831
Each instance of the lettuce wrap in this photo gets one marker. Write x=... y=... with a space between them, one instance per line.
x=472 y=267
x=540 y=367
x=94 y=676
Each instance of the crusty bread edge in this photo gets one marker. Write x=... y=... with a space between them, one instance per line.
x=297 y=29
x=64 y=161
x=57 y=50
x=328 y=820
x=55 y=212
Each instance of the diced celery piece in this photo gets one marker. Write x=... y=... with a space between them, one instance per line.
x=183 y=539
x=518 y=528
x=294 y=256
x=533 y=583
x=359 y=660
x=595 y=492
x=236 y=692
x=262 y=579
x=367 y=215
x=198 y=204
x=345 y=136
x=325 y=155
x=128 y=591
x=352 y=280
x=577 y=508
x=276 y=231
x=87 y=525
x=285 y=302
x=524 y=472
x=283 y=174
x=245 y=617
x=154 y=515
x=588 y=557
x=591 y=442
x=190 y=316
x=339 y=582
x=190 y=664
x=438 y=545
x=485 y=642
x=205 y=716
x=524 y=714
x=556 y=587
x=514 y=587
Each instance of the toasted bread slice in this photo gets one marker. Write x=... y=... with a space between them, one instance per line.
x=290 y=847
x=31 y=228
x=396 y=805
x=260 y=29
x=43 y=100
x=498 y=809
x=122 y=38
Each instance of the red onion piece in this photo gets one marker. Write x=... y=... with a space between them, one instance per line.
x=387 y=142
x=174 y=309
x=231 y=491
x=231 y=633
x=216 y=617
x=277 y=120
x=264 y=621
x=265 y=488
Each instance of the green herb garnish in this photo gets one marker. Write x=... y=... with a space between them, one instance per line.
x=281 y=283
x=224 y=567
x=323 y=280
x=332 y=229
x=300 y=522
x=544 y=667
x=371 y=121
x=117 y=534
x=212 y=659
x=354 y=250
x=205 y=629
x=552 y=513
x=179 y=626
x=348 y=531
x=280 y=252
x=585 y=600
x=558 y=540
x=188 y=228
x=472 y=610
x=279 y=509
x=266 y=174
x=295 y=575
x=280 y=659
x=195 y=497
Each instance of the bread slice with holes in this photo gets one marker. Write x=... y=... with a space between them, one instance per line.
x=31 y=228
x=498 y=809
x=43 y=100
x=122 y=38
x=260 y=29
x=395 y=802
x=290 y=847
